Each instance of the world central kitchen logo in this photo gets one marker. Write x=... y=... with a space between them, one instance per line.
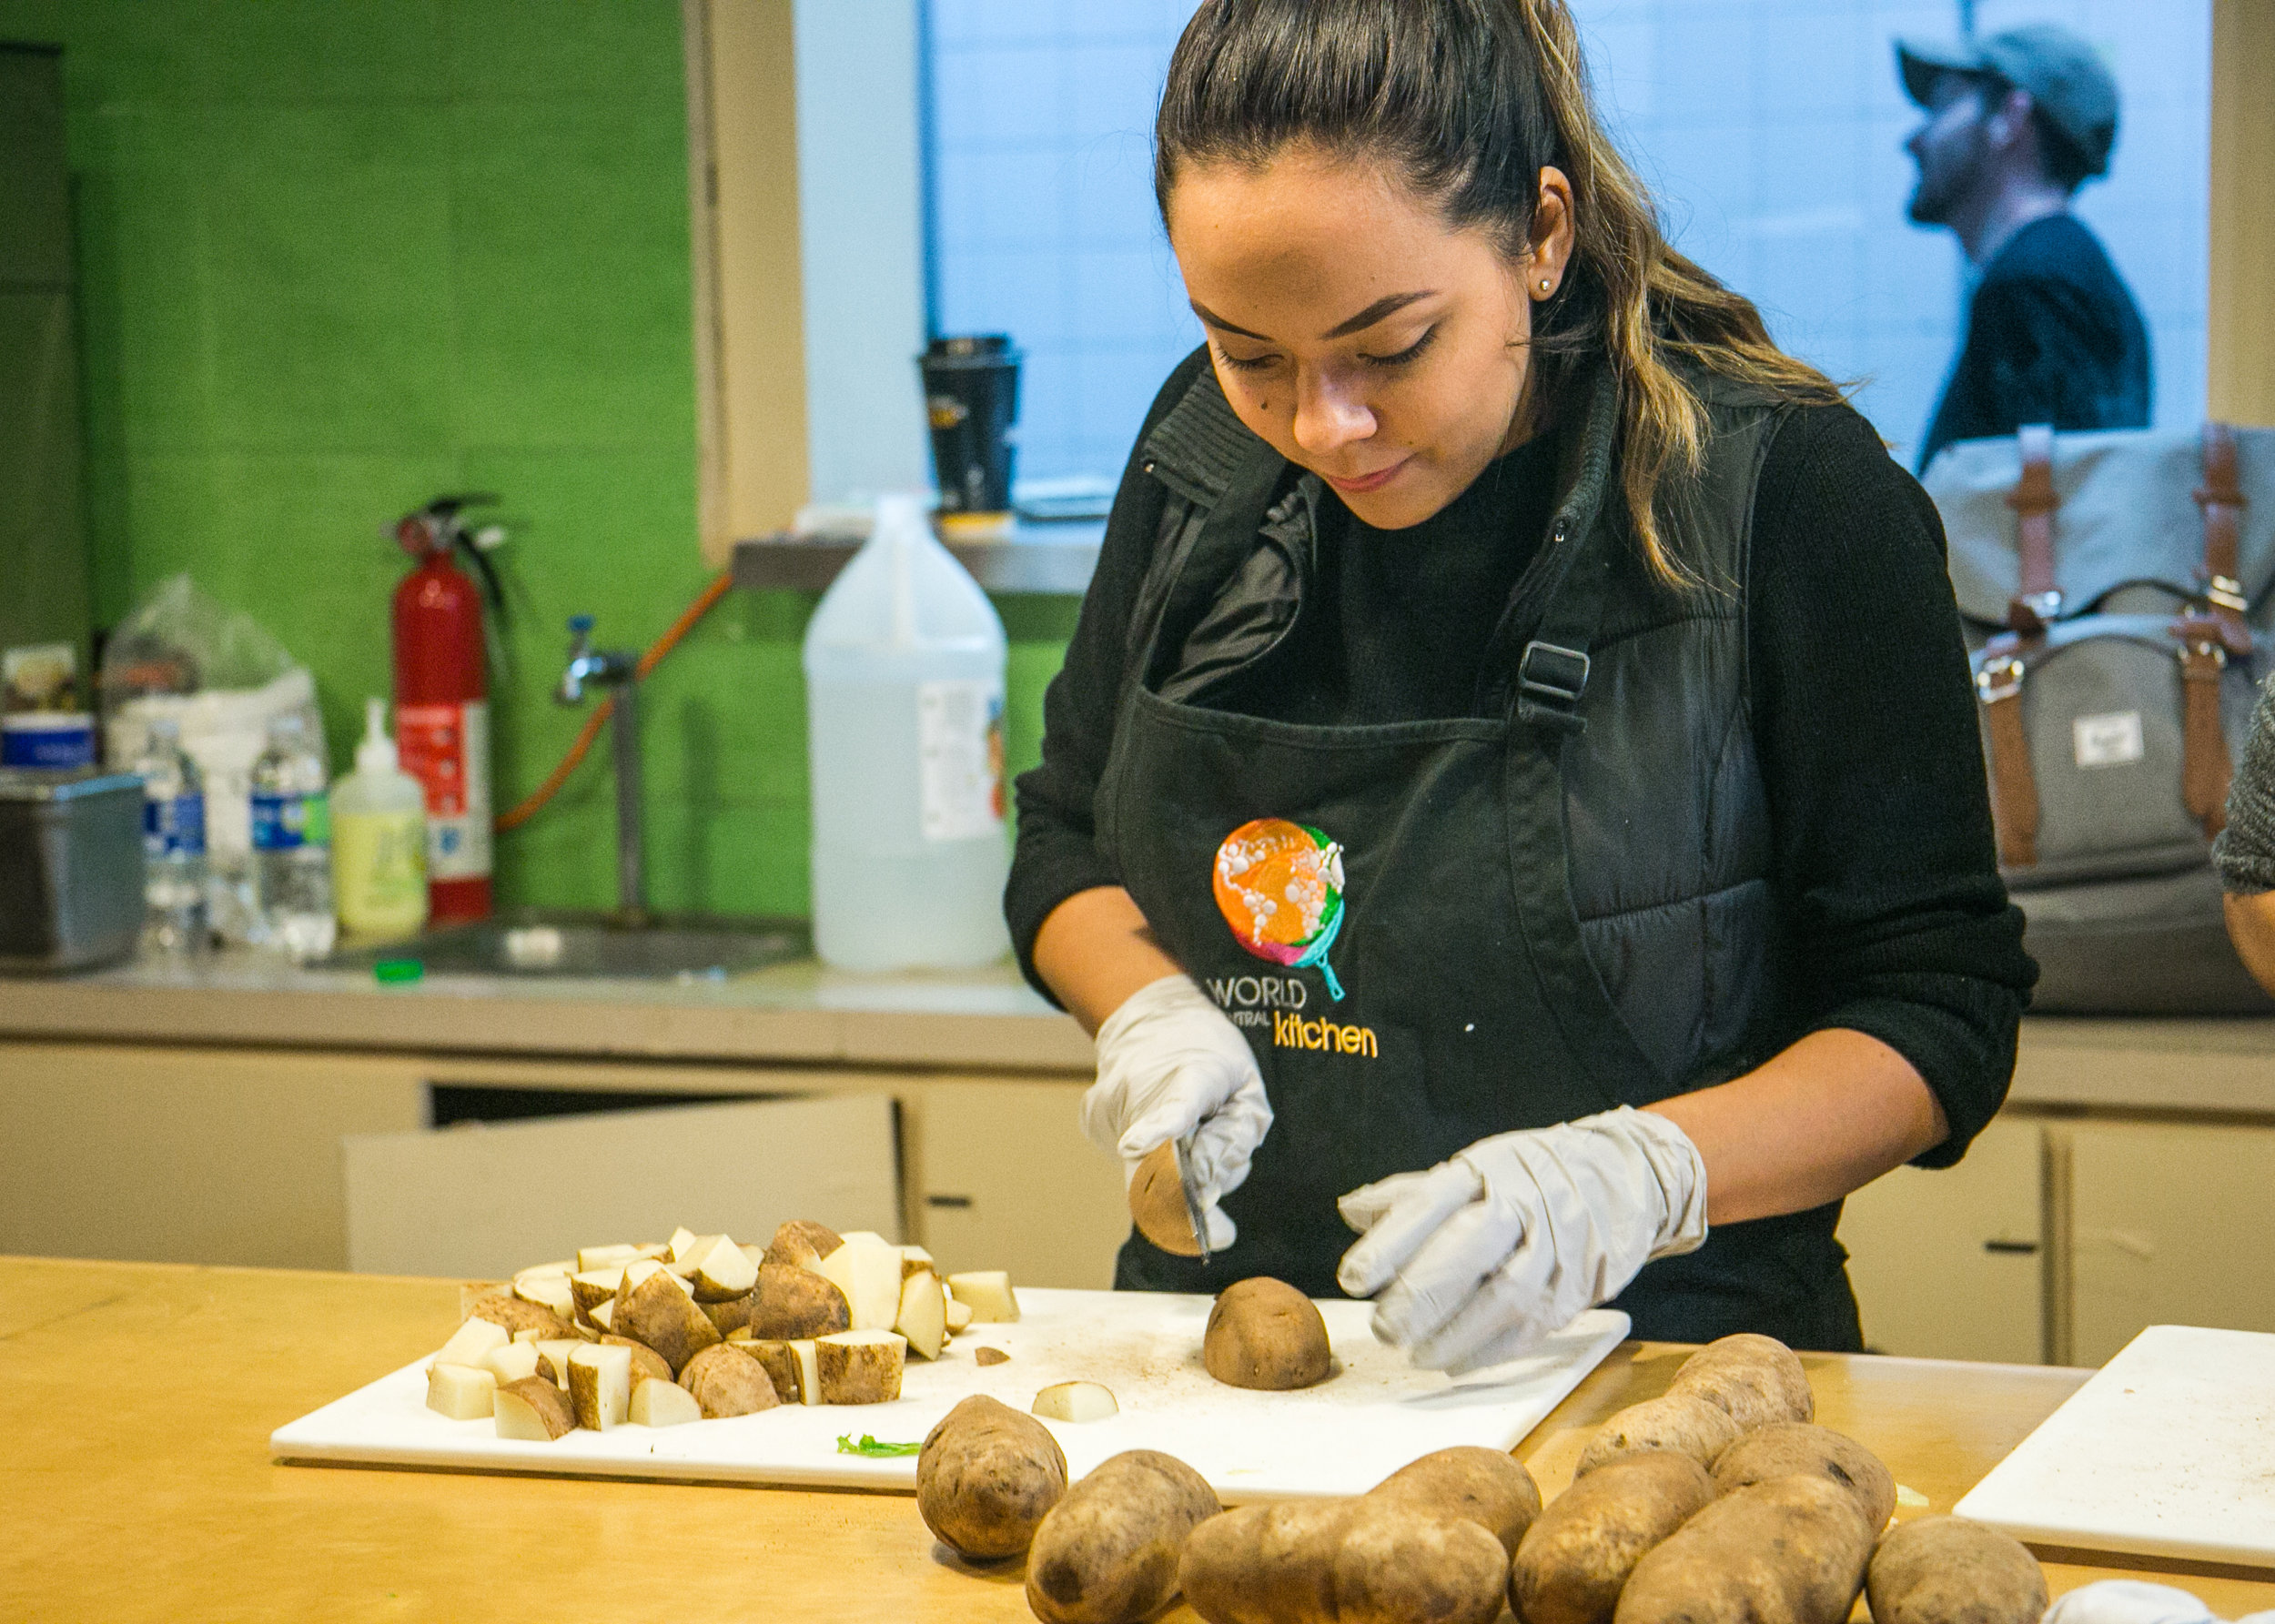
x=1253 y=1000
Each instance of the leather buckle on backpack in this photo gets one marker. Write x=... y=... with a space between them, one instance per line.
x=1549 y=681
x=2045 y=605
x=2226 y=591
x=1999 y=678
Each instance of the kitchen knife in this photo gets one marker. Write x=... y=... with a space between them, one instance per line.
x=1193 y=1209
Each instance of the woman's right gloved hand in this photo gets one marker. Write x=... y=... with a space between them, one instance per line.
x=1170 y=1065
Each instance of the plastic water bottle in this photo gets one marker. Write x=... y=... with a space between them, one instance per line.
x=173 y=845
x=292 y=858
x=904 y=668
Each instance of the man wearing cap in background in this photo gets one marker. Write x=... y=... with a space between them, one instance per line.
x=2016 y=123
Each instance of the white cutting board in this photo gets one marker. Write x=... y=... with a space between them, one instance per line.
x=1374 y=1414
x=2168 y=1451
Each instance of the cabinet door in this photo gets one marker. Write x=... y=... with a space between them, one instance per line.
x=483 y=1199
x=1008 y=1181
x=2165 y=1222
x=1947 y=1265
x=188 y=1155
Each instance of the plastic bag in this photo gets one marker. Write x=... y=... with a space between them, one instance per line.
x=221 y=675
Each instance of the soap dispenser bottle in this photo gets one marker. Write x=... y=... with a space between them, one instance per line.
x=379 y=841
x=904 y=668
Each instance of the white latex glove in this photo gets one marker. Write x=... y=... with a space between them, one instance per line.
x=1170 y=1065
x=1488 y=1254
x=2128 y=1601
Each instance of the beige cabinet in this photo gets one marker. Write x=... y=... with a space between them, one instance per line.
x=237 y=1156
x=1005 y=1179
x=2166 y=1226
x=1950 y=1264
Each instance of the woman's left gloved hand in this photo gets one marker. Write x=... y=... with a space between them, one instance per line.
x=1486 y=1254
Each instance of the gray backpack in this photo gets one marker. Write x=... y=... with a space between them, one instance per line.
x=2113 y=585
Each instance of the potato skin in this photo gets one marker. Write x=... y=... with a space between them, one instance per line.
x=726 y=1381
x=1107 y=1552
x=782 y=1367
x=1344 y=1561
x=1575 y=1560
x=1681 y=1422
x=1949 y=1570
x=1788 y=1551
x=801 y=1244
x=1264 y=1333
x=1787 y=1448
x=515 y=1315
x=1756 y=1379
x=789 y=1304
x=1487 y=1486
x=987 y=1477
x=1157 y=1204
x=658 y=1313
x=645 y=1361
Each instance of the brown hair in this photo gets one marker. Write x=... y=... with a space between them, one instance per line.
x=1470 y=100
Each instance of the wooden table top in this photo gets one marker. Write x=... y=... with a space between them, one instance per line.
x=135 y=1482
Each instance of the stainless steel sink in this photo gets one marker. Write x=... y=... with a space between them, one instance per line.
x=593 y=945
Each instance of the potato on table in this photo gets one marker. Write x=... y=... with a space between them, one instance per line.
x=533 y=1409
x=790 y=1302
x=1681 y=1422
x=515 y=1315
x=1360 y=1561
x=726 y=1381
x=1949 y=1570
x=1107 y=1552
x=1489 y=1487
x=646 y=1361
x=859 y=1367
x=986 y=1478
x=659 y=1312
x=1265 y=1334
x=1756 y=1379
x=1788 y=1551
x=801 y=1244
x=1783 y=1448
x=1573 y=1562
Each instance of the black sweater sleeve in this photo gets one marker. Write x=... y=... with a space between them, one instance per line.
x=1863 y=713
x=1057 y=854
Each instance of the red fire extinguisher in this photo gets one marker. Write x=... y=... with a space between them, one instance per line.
x=442 y=702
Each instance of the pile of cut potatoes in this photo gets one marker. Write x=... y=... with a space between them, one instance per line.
x=702 y=1328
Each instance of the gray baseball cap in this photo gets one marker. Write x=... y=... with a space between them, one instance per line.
x=2065 y=76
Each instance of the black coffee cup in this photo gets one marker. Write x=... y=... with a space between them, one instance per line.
x=971 y=400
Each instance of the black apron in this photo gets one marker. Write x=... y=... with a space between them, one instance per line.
x=1384 y=911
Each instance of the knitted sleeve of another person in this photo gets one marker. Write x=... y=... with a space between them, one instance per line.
x=2245 y=851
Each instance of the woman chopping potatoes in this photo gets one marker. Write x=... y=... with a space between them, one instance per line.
x=1513 y=793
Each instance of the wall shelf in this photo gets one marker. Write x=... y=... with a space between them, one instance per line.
x=1055 y=558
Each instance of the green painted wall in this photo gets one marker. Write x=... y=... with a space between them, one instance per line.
x=338 y=257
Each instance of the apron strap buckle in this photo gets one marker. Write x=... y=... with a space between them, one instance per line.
x=1550 y=681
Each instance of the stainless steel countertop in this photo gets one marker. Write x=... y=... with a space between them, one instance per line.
x=798 y=1011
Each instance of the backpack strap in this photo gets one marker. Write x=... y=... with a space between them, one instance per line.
x=2223 y=502
x=2209 y=633
x=2033 y=500
x=1999 y=674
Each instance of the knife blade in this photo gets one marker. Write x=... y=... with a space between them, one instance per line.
x=1194 y=1212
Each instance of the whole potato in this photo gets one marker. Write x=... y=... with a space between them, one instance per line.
x=1783 y=1448
x=1265 y=1334
x=1788 y=1551
x=1949 y=1570
x=1107 y=1552
x=1346 y=1561
x=1681 y=1422
x=1575 y=1560
x=1488 y=1487
x=987 y=1477
x=1754 y=1379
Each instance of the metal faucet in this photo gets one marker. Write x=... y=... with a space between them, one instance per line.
x=616 y=669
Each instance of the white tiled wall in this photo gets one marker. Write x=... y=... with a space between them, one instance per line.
x=1771 y=130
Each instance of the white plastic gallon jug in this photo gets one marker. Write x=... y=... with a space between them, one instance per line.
x=903 y=673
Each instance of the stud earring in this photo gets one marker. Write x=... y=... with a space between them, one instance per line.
x=1544 y=284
